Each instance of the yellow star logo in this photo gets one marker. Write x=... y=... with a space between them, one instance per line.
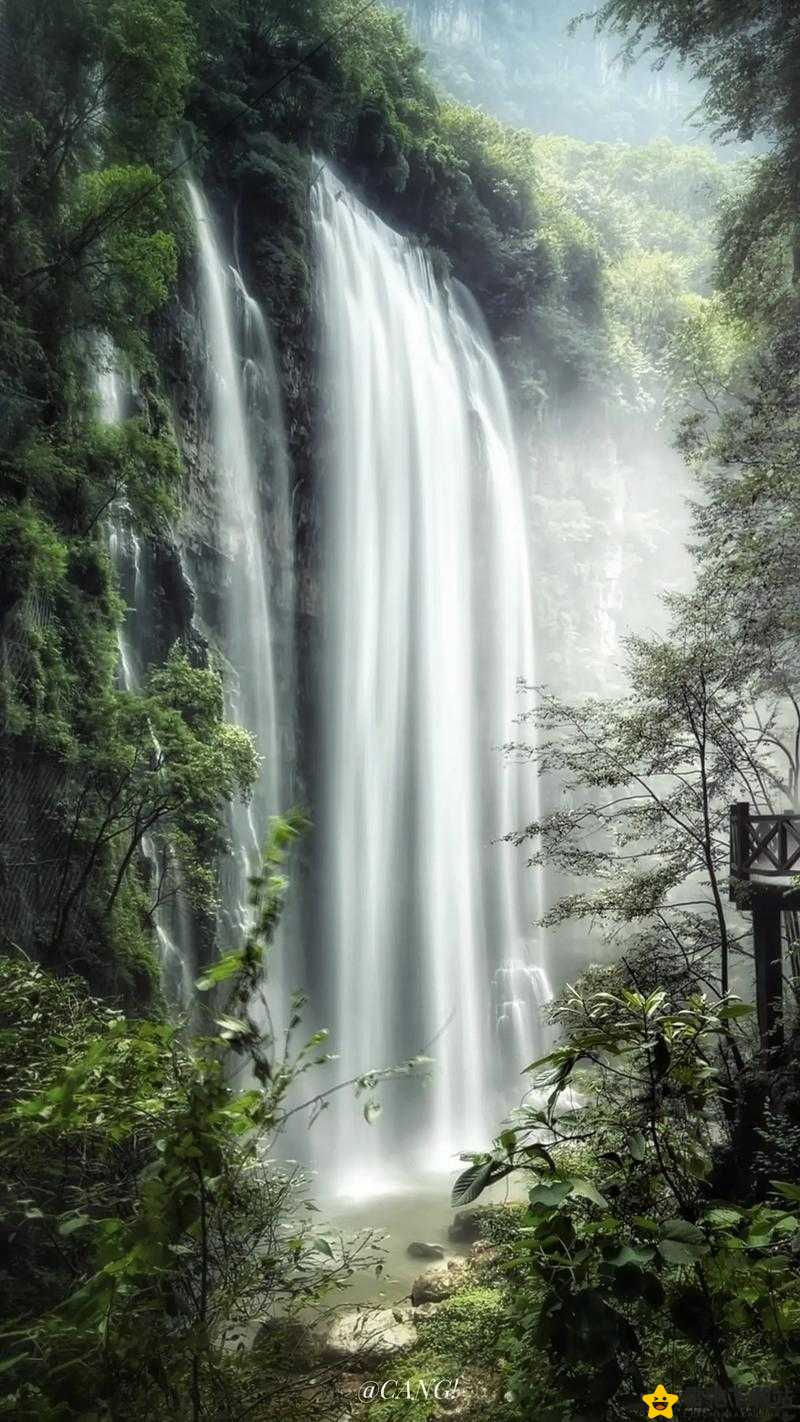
x=660 y=1403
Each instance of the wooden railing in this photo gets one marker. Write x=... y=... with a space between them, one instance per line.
x=765 y=848
x=765 y=845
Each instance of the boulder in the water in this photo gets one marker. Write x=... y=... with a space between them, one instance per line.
x=425 y=1251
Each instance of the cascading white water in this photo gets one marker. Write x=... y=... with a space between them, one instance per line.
x=247 y=429
x=427 y=625
x=170 y=916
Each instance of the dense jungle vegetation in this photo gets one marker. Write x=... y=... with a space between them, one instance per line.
x=158 y=1262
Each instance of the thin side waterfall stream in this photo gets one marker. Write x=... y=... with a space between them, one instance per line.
x=249 y=452
x=246 y=415
x=170 y=916
x=427 y=625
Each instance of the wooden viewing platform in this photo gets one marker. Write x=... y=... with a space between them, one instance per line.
x=765 y=881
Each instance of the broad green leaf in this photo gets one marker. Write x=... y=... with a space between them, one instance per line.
x=683 y=1230
x=551 y=1195
x=637 y=1146
x=724 y=1218
x=69 y=1226
x=471 y=1183
x=538 y=1152
x=551 y=1059
x=786 y=1189
x=220 y=972
x=733 y=1010
x=676 y=1253
x=627 y=1254
x=587 y=1191
x=233 y=1027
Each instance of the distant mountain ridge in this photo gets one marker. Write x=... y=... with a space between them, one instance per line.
x=520 y=61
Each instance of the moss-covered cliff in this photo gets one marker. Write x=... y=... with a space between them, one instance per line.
x=101 y=100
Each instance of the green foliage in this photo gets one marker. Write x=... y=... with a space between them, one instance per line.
x=459 y=179
x=133 y=260
x=652 y=214
x=747 y=60
x=659 y=197
x=148 y=50
x=746 y=57
x=89 y=244
x=149 y=1230
x=663 y=1214
x=707 y=355
x=78 y=479
x=35 y=559
x=84 y=245
x=604 y=1269
x=161 y=764
x=462 y=1341
x=496 y=1224
x=466 y=1328
x=651 y=777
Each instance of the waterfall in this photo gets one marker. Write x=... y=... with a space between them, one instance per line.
x=248 y=440
x=427 y=625
x=170 y=916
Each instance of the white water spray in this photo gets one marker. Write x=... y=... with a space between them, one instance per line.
x=427 y=626
x=247 y=429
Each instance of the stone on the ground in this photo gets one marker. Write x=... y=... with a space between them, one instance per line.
x=365 y=1336
x=426 y=1310
x=439 y=1283
x=425 y=1251
x=484 y=1253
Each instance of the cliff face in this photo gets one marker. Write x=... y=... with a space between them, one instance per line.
x=523 y=63
x=195 y=553
x=492 y=210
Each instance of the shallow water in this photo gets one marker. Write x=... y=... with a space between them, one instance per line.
x=420 y=1212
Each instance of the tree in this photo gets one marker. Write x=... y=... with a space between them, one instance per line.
x=648 y=780
x=747 y=57
x=152 y=1233
x=631 y=1249
x=161 y=765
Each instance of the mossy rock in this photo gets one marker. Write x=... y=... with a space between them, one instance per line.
x=460 y=1344
x=498 y=1224
x=440 y=1282
x=466 y=1327
x=288 y=1346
